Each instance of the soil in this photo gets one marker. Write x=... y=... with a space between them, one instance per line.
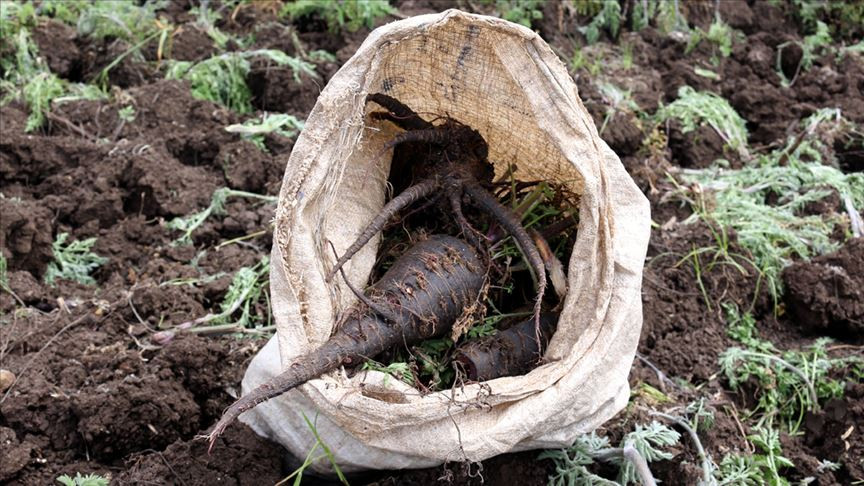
x=94 y=394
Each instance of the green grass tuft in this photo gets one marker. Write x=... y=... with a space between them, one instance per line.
x=523 y=12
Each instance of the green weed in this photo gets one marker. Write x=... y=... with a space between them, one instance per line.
x=665 y=14
x=73 y=261
x=205 y=19
x=188 y=224
x=122 y=19
x=758 y=469
x=222 y=78
x=812 y=46
x=616 y=99
x=28 y=78
x=127 y=113
x=255 y=129
x=79 y=480
x=694 y=108
x=606 y=17
x=844 y=18
x=774 y=233
x=246 y=289
x=769 y=461
x=15 y=16
x=339 y=14
x=719 y=35
x=523 y=12
x=739 y=470
x=399 y=370
x=789 y=383
x=571 y=464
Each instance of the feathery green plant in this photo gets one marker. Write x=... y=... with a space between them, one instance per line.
x=400 y=370
x=694 y=108
x=721 y=37
x=607 y=17
x=246 y=289
x=222 y=78
x=79 y=480
x=254 y=129
x=338 y=14
x=812 y=46
x=27 y=77
x=188 y=224
x=523 y=12
x=789 y=383
x=205 y=19
x=119 y=19
x=774 y=233
x=73 y=261
x=571 y=463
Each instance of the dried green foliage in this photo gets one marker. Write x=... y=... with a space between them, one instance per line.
x=119 y=19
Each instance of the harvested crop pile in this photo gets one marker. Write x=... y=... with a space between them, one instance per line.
x=155 y=136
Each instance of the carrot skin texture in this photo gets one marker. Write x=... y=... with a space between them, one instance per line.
x=406 y=198
x=426 y=291
x=510 y=352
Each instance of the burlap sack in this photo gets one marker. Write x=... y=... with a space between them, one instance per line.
x=503 y=80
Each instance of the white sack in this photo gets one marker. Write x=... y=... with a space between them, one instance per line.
x=503 y=80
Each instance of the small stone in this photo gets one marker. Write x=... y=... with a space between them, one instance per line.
x=6 y=379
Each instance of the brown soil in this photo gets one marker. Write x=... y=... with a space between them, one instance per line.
x=93 y=394
x=826 y=294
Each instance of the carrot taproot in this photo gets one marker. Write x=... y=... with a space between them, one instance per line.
x=424 y=293
x=509 y=352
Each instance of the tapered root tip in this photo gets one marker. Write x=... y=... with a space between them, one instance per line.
x=217 y=431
